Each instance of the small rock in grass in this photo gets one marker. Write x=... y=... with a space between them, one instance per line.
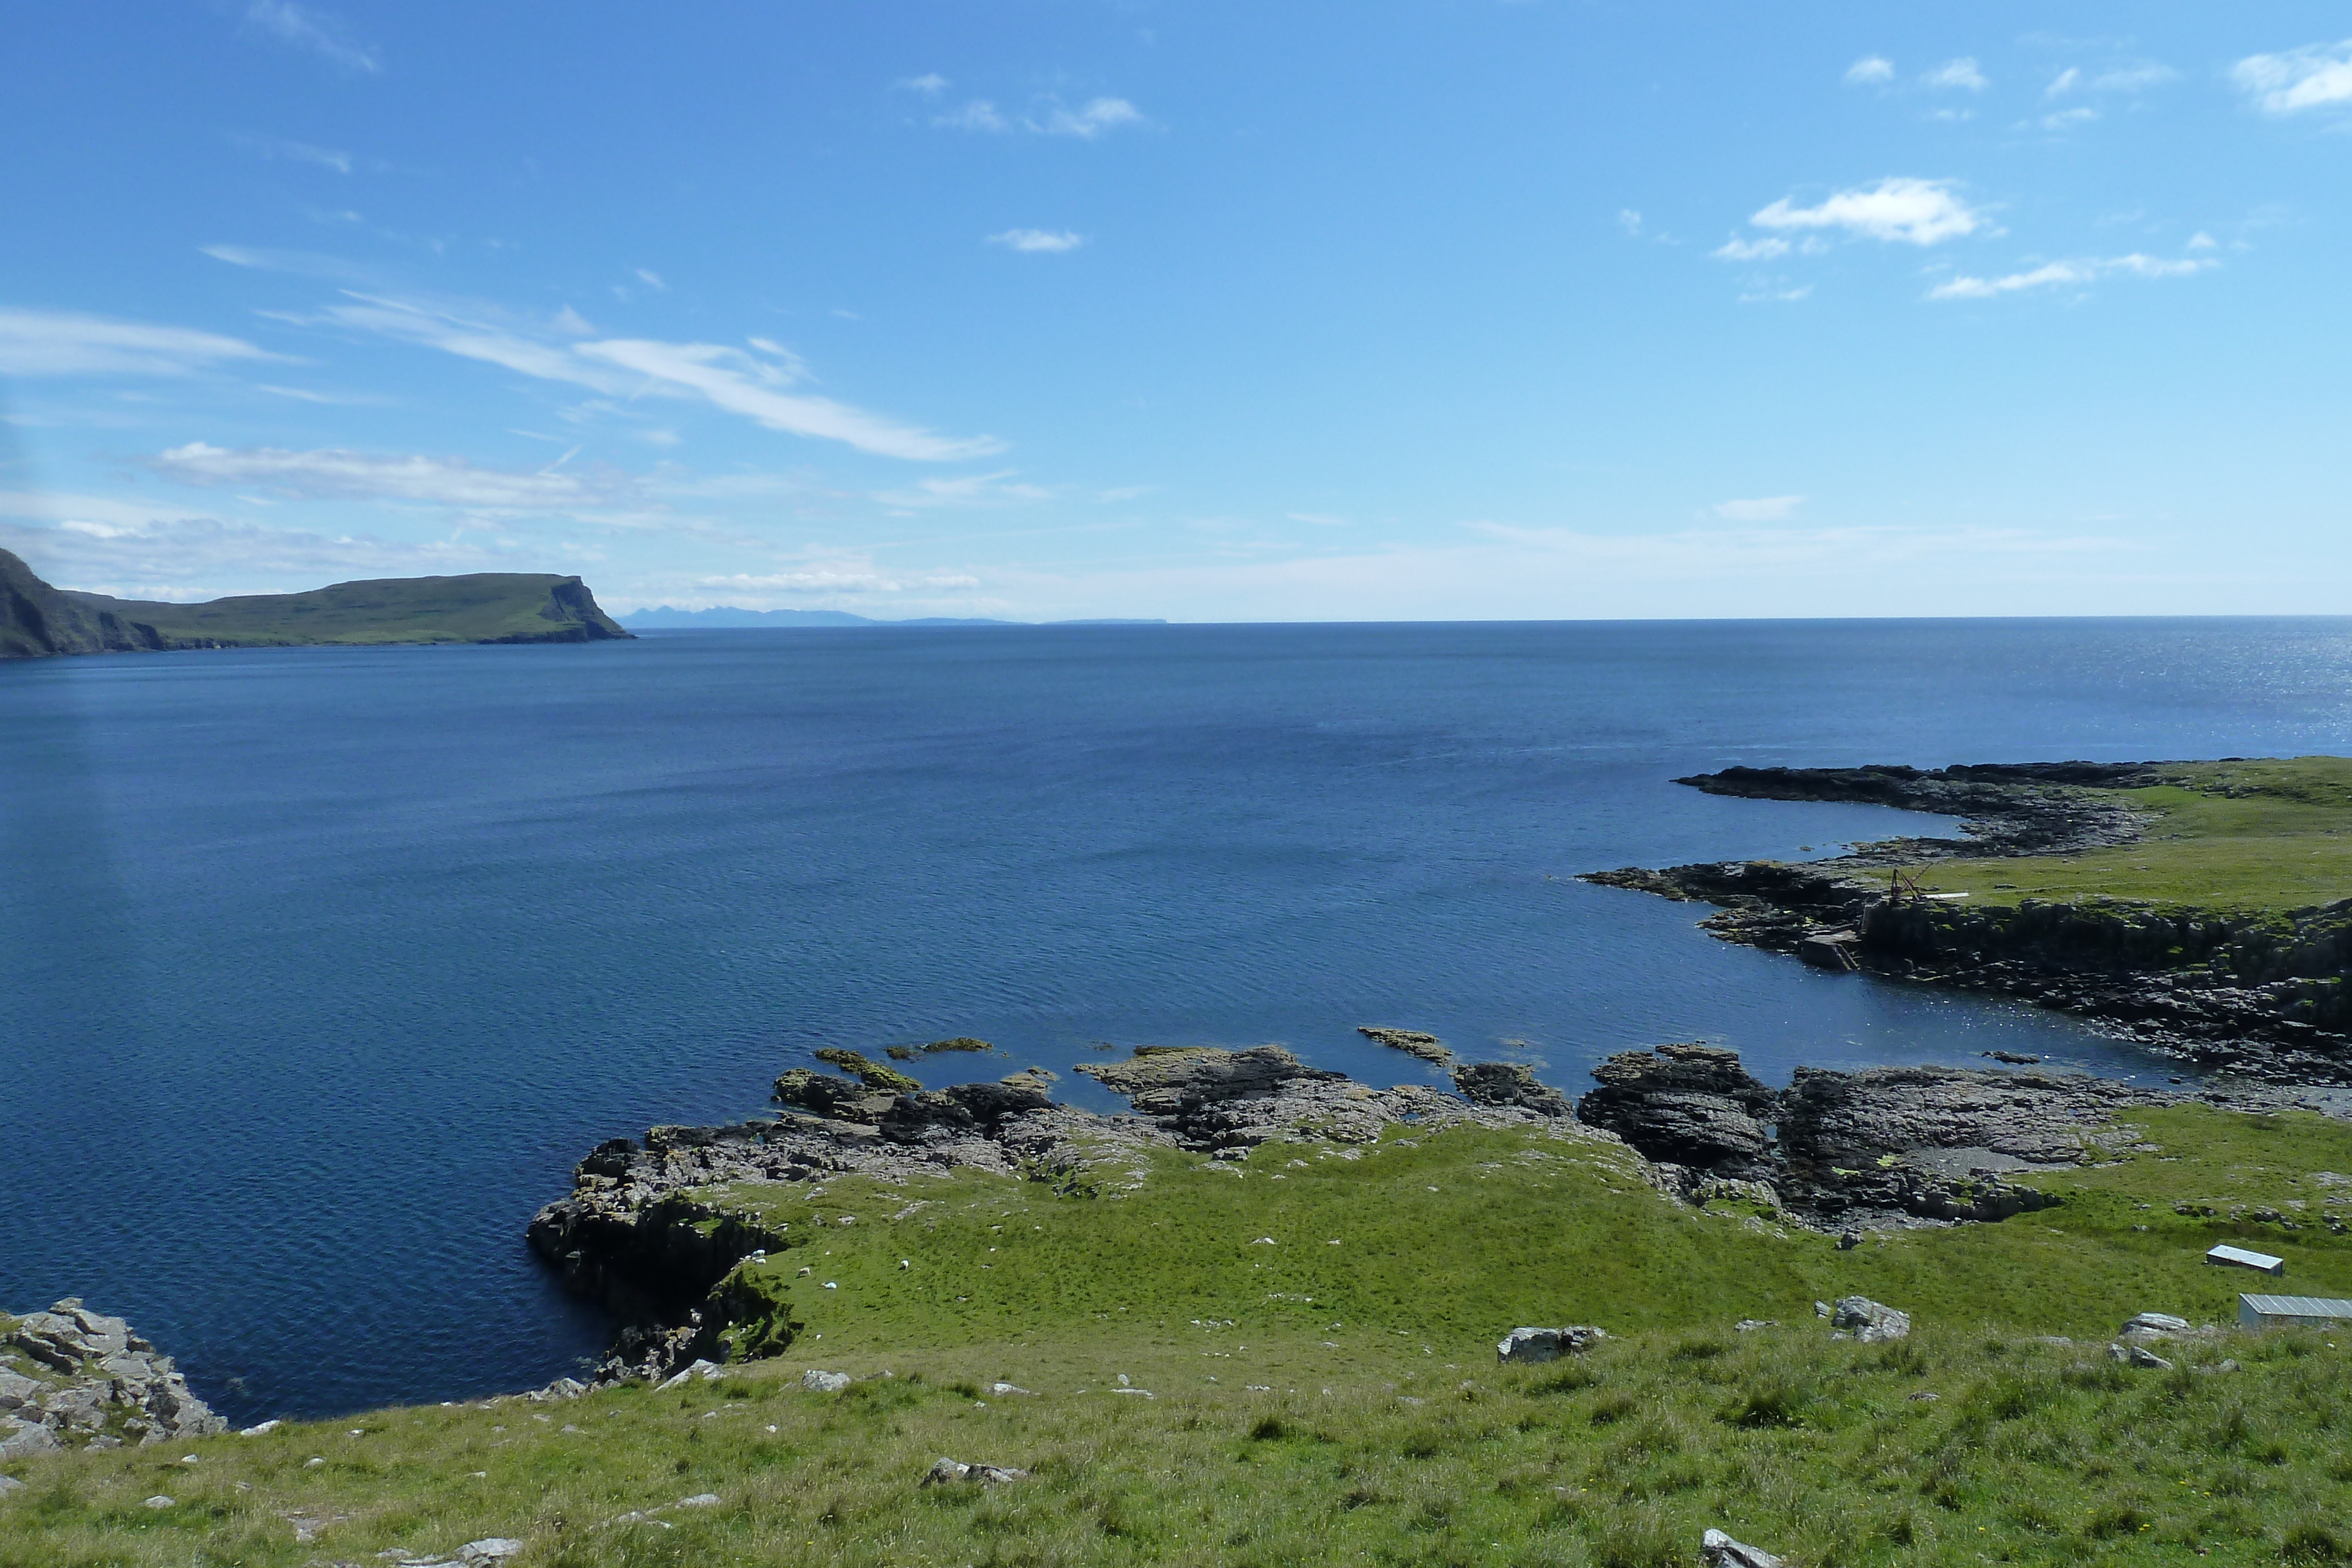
x=699 y=1500
x=1002 y=1388
x=817 y=1382
x=489 y=1551
x=947 y=1472
x=262 y=1430
x=1869 y=1321
x=10 y=1484
x=2139 y=1355
x=313 y=1463
x=159 y=1500
x=1525 y=1345
x=1750 y=1325
x=1722 y=1551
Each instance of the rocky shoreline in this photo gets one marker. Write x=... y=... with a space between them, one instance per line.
x=73 y=1378
x=2258 y=996
x=1836 y=1152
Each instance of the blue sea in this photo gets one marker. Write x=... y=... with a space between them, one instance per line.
x=318 y=968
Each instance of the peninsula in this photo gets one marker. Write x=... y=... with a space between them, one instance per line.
x=36 y=618
x=2200 y=908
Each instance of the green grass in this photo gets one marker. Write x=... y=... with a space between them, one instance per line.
x=478 y=608
x=1314 y=1403
x=2250 y=837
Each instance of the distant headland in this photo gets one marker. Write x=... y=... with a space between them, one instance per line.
x=36 y=618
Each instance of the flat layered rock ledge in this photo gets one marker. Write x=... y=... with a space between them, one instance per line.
x=1885 y=1146
x=74 y=1378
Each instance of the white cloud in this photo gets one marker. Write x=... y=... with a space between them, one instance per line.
x=1776 y=296
x=978 y=115
x=2063 y=83
x=835 y=580
x=275 y=146
x=359 y=476
x=1870 y=68
x=652 y=279
x=2067 y=119
x=1051 y=117
x=975 y=490
x=734 y=381
x=2316 y=75
x=1091 y=120
x=1630 y=221
x=150 y=553
x=69 y=343
x=1961 y=73
x=2138 y=77
x=1751 y=249
x=1916 y=212
x=1760 y=510
x=2057 y=274
x=2200 y=240
x=930 y=84
x=1033 y=241
x=309 y=29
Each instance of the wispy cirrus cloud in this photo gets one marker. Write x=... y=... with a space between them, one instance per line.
x=333 y=473
x=930 y=84
x=2295 y=81
x=280 y=148
x=1034 y=242
x=1908 y=211
x=1766 y=249
x=314 y=31
x=1000 y=489
x=755 y=388
x=1045 y=116
x=756 y=385
x=2061 y=274
x=70 y=343
x=105 y=545
x=1759 y=510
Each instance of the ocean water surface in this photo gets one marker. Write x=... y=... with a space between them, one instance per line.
x=320 y=968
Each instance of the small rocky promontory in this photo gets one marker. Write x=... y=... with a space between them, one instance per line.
x=73 y=1378
x=1885 y=1146
x=633 y=1236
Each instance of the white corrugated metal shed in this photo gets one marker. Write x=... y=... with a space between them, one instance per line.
x=2238 y=1257
x=2291 y=1311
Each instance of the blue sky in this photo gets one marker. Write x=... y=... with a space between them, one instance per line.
x=1375 y=310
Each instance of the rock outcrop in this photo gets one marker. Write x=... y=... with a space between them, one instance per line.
x=1881 y=1145
x=2260 y=996
x=634 y=1236
x=1412 y=1042
x=71 y=1378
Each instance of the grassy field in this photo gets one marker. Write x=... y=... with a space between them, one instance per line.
x=481 y=607
x=2254 y=836
x=1312 y=1402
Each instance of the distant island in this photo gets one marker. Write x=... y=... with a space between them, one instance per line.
x=36 y=618
x=727 y=617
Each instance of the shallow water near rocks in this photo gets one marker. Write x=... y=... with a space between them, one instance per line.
x=322 y=966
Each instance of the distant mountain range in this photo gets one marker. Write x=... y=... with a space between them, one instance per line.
x=664 y=618
x=480 y=607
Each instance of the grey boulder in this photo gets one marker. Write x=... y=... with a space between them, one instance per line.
x=1867 y=1321
x=1526 y=1346
x=1722 y=1551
